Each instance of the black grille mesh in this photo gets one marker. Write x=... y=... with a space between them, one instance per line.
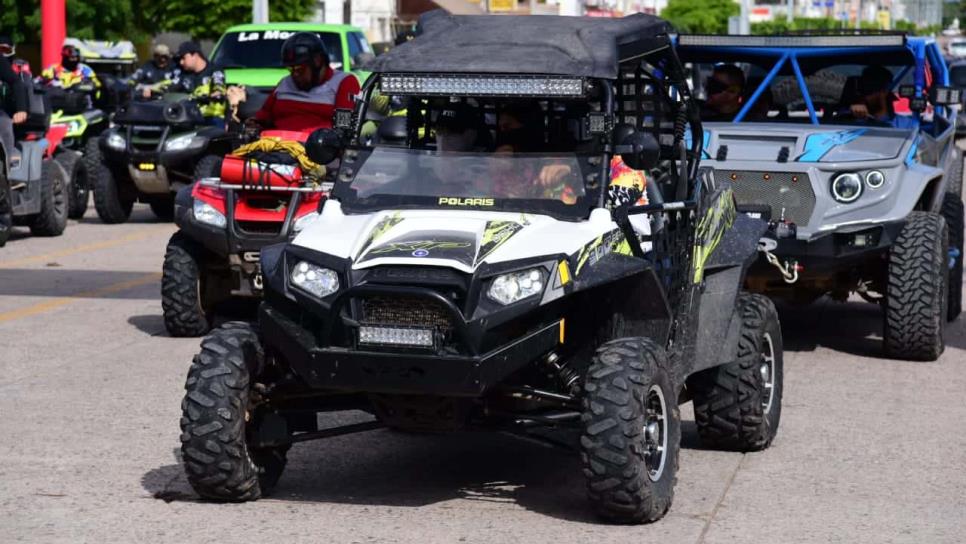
x=788 y=192
x=406 y=312
x=265 y=228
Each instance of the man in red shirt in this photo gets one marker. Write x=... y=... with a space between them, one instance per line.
x=307 y=99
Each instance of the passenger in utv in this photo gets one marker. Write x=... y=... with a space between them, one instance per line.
x=725 y=89
x=306 y=99
x=875 y=104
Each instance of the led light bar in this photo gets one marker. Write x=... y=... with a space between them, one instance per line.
x=481 y=85
x=869 y=40
x=396 y=336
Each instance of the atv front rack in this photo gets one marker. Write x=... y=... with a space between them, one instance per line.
x=216 y=183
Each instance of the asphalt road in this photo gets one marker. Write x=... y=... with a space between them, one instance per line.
x=869 y=450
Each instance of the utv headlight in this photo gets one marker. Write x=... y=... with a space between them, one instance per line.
x=179 y=143
x=516 y=286
x=874 y=179
x=315 y=280
x=847 y=187
x=304 y=221
x=116 y=141
x=207 y=214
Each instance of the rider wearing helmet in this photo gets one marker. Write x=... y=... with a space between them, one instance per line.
x=308 y=97
x=70 y=71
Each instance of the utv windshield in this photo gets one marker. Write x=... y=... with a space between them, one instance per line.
x=262 y=49
x=529 y=182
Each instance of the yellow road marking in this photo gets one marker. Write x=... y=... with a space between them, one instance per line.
x=133 y=237
x=49 y=305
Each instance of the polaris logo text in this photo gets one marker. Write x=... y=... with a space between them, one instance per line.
x=454 y=201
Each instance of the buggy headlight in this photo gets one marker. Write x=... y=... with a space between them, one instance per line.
x=179 y=143
x=116 y=141
x=207 y=214
x=516 y=286
x=304 y=221
x=847 y=187
x=874 y=179
x=315 y=280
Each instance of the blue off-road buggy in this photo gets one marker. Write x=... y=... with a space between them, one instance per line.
x=857 y=204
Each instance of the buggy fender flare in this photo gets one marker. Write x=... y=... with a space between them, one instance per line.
x=922 y=186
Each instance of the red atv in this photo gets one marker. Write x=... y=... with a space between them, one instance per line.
x=260 y=199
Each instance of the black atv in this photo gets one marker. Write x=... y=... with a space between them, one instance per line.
x=155 y=148
x=74 y=112
x=471 y=279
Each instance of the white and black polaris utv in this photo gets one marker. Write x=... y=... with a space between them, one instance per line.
x=497 y=287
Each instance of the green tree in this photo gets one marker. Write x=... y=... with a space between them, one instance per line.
x=21 y=18
x=210 y=18
x=700 y=16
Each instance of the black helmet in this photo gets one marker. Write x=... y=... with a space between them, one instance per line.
x=302 y=47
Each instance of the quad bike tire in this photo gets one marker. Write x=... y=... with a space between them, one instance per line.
x=917 y=289
x=217 y=420
x=952 y=212
x=184 y=302
x=52 y=218
x=79 y=188
x=737 y=406
x=208 y=167
x=628 y=385
x=109 y=201
x=955 y=184
x=162 y=207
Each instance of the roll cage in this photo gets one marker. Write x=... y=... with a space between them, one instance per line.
x=921 y=56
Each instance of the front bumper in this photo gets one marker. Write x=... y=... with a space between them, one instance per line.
x=356 y=370
x=839 y=250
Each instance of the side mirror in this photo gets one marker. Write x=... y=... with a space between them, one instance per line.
x=639 y=150
x=324 y=145
x=946 y=96
x=393 y=129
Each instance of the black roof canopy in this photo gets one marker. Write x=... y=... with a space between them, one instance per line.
x=525 y=44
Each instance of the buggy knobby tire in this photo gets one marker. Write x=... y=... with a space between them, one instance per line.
x=208 y=167
x=52 y=218
x=917 y=291
x=952 y=212
x=111 y=204
x=216 y=416
x=186 y=310
x=631 y=431
x=954 y=184
x=79 y=187
x=737 y=406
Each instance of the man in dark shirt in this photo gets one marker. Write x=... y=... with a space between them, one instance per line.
x=155 y=74
x=14 y=109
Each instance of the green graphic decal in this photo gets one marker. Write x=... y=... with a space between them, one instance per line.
x=711 y=229
x=425 y=245
x=495 y=235
x=381 y=228
x=610 y=242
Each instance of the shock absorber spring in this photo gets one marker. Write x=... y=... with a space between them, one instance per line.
x=567 y=378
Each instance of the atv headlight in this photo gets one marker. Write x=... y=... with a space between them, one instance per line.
x=179 y=143
x=207 y=214
x=304 y=221
x=315 y=280
x=874 y=179
x=847 y=187
x=116 y=141
x=516 y=286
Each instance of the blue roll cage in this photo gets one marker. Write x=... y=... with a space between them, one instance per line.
x=923 y=50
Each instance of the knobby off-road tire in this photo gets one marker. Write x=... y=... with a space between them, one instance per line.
x=629 y=456
x=79 y=187
x=109 y=201
x=187 y=312
x=737 y=406
x=917 y=291
x=208 y=167
x=955 y=183
x=952 y=212
x=52 y=218
x=216 y=416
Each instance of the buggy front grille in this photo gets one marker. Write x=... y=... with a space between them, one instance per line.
x=406 y=312
x=146 y=138
x=789 y=195
x=262 y=228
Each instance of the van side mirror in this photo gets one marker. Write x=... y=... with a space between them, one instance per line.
x=639 y=150
x=324 y=145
